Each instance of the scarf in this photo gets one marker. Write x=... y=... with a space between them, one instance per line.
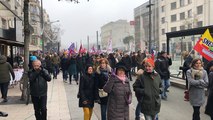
x=197 y=73
x=122 y=78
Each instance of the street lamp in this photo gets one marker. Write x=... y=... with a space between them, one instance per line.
x=150 y=26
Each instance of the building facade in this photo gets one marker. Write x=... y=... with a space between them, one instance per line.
x=116 y=32
x=11 y=28
x=141 y=16
x=177 y=15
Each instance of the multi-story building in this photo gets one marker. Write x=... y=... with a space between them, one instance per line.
x=116 y=32
x=177 y=15
x=11 y=27
x=170 y=16
x=141 y=15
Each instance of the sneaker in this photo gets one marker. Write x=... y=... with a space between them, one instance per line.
x=3 y=114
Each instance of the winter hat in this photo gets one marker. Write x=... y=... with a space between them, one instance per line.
x=33 y=58
x=120 y=65
x=150 y=61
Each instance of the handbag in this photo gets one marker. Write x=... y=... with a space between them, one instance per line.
x=102 y=93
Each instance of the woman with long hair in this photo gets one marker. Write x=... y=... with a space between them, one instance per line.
x=198 y=80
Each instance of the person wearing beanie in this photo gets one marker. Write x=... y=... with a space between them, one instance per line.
x=147 y=88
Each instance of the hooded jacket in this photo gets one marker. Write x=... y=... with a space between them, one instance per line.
x=5 y=70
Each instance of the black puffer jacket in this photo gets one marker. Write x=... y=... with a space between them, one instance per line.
x=38 y=82
x=162 y=67
x=87 y=90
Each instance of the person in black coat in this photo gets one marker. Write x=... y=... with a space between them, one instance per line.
x=186 y=66
x=162 y=68
x=87 y=92
x=38 y=78
x=126 y=60
x=209 y=105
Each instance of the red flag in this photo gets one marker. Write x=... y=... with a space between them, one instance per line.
x=80 y=49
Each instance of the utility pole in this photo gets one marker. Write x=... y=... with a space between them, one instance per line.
x=97 y=39
x=26 y=47
x=42 y=26
x=150 y=24
x=88 y=42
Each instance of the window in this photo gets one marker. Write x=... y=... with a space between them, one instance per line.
x=173 y=29
x=190 y=26
x=181 y=3
x=189 y=1
x=162 y=31
x=190 y=13
x=182 y=27
x=200 y=9
x=162 y=8
x=173 y=6
x=4 y=23
x=199 y=23
x=173 y=18
x=163 y=20
x=182 y=16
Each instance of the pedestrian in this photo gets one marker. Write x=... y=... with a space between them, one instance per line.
x=209 y=105
x=162 y=68
x=72 y=69
x=38 y=78
x=5 y=71
x=186 y=65
x=118 y=89
x=148 y=88
x=198 y=80
x=87 y=92
x=55 y=61
x=64 y=67
x=102 y=74
x=127 y=61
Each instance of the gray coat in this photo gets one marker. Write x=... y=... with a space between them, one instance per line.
x=117 y=108
x=5 y=70
x=196 y=86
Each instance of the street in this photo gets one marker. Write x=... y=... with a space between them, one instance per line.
x=175 y=108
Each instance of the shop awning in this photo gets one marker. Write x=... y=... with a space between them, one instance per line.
x=13 y=43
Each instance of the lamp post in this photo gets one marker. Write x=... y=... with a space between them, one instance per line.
x=150 y=25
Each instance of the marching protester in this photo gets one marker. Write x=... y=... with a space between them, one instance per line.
x=126 y=60
x=148 y=89
x=55 y=61
x=118 y=89
x=102 y=73
x=5 y=71
x=87 y=92
x=198 y=80
x=64 y=67
x=72 y=69
x=38 y=78
x=162 y=68
x=209 y=105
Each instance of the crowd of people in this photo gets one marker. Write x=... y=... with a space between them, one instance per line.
x=105 y=79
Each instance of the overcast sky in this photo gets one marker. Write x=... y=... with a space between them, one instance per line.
x=79 y=20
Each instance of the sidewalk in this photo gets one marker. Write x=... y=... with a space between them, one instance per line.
x=57 y=106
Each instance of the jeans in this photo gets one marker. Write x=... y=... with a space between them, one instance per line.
x=138 y=111
x=55 y=71
x=40 y=107
x=87 y=113
x=103 y=112
x=65 y=74
x=149 y=117
x=4 y=89
x=165 y=86
x=196 y=113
